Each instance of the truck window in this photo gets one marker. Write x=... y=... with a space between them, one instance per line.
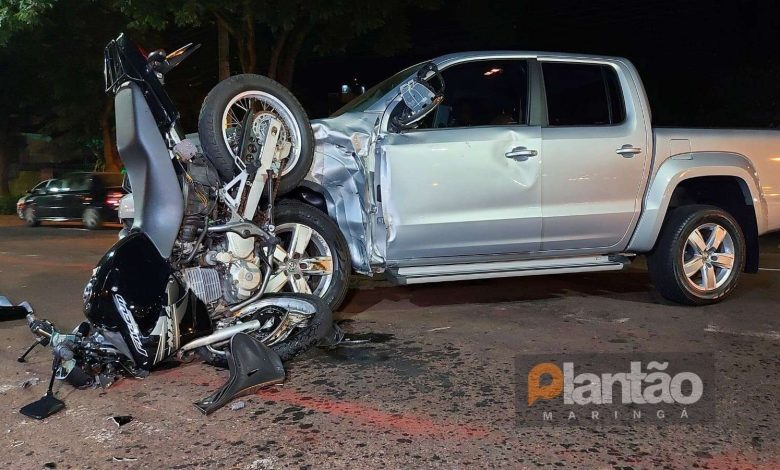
x=582 y=95
x=483 y=93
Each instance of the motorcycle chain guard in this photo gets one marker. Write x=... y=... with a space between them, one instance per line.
x=253 y=366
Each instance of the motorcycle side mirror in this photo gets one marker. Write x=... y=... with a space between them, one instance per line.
x=420 y=98
x=177 y=57
x=156 y=56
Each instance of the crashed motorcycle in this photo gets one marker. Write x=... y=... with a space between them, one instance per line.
x=190 y=276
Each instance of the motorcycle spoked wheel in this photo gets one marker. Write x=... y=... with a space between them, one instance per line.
x=223 y=113
x=300 y=339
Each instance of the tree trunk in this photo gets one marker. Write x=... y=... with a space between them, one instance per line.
x=5 y=169
x=7 y=156
x=110 y=153
x=287 y=68
x=250 y=64
x=223 y=50
x=276 y=52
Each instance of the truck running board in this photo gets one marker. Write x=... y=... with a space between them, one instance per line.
x=538 y=267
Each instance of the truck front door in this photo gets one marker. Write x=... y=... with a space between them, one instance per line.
x=467 y=180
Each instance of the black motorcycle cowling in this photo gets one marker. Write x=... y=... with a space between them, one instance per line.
x=159 y=206
x=140 y=306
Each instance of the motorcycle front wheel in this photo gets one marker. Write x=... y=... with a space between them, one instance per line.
x=300 y=339
x=224 y=113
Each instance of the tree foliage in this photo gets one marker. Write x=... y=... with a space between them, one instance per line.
x=275 y=33
x=18 y=15
x=52 y=80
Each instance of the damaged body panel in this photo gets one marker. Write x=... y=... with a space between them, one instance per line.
x=343 y=169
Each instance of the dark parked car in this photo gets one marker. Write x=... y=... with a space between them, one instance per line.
x=92 y=198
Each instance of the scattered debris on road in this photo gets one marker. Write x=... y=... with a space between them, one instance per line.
x=30 y=382
x=121 y=420
x=237 y=405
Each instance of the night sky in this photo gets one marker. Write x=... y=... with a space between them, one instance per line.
x=704 y=63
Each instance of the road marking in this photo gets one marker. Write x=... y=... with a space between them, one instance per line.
x=439 y=329
x=768 y=269
x=711 y=328
x=595 y=320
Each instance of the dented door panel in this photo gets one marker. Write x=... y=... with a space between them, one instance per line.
x=454 y=192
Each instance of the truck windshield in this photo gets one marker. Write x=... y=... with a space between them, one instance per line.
x=373 y=94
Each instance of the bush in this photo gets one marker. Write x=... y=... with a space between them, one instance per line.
x=8 y=204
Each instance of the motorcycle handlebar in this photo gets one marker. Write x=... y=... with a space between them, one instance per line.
x=40 y=327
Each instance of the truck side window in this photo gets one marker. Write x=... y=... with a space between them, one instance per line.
x=483 y=93
x=582 y=95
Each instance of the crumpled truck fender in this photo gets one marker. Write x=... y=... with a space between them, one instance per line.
x=340 y=171
x=685 y=166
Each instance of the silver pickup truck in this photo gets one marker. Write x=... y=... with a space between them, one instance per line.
x=499 y=164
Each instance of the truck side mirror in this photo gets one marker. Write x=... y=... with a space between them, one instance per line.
x=420 y=97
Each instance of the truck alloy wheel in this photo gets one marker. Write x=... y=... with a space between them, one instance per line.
x=313 y=257
x=699 y=255
x=708 y=257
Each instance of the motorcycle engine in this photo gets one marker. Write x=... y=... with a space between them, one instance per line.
x=221 y=275
x=200 y=183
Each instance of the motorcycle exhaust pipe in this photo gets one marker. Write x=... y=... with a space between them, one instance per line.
x=223 y=334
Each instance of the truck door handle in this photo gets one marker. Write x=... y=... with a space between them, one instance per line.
x=628 y=150
x=521 y=153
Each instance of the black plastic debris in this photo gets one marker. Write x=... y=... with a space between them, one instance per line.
x=252 y=365
x=121 y=420
x=332 y=338
x=9 y=311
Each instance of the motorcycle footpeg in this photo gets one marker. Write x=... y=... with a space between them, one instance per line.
x=253 y=366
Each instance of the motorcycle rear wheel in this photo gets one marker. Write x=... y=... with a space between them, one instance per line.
x=223 y=111
x=299 y=341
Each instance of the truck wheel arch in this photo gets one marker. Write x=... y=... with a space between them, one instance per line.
x=677 y=182
x=314 y=194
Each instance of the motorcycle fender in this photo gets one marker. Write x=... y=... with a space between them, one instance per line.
x=134 y=296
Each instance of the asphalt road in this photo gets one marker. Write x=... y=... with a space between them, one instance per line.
x=435 y=387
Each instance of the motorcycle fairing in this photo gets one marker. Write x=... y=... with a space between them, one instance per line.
x=134 y=295
x=159 y=205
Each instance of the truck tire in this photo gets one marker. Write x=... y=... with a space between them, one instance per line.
x=699 y=255
x=276 y=100
x=326 y=240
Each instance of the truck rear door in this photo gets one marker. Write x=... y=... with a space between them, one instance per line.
x=595 y=154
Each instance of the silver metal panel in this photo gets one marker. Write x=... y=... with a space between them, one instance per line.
x=673 y=170
x=592 y=195
x=448 y=192
x=459 y=272
x=343 y=157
